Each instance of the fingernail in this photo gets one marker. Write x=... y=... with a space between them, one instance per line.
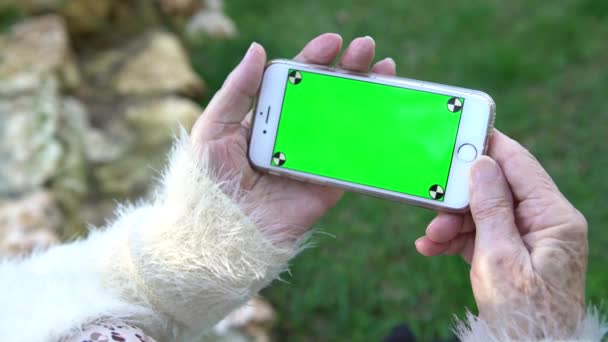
x=485 y=170
x=370 y=38
x=418 y=239
x=429 y=227
x=250 y=49
x=335 y=35
x=392 y=61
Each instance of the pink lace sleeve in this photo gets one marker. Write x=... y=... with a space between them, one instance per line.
x=109 y=330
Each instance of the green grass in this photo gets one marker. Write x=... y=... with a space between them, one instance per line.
x=545 y=65
x=8 y=16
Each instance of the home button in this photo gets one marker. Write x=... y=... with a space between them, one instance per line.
x=467 y=153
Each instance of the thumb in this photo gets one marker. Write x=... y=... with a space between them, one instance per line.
x=234 y=99
x=492 y=209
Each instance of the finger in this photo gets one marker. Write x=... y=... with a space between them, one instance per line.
x=247 y=124
x=386 y=66
x=444 y=227
x=468 y=225
x=468 y=249
x=359 y=54
x=524 y=173
x=427 y=247
x=491 y=206
x=232 y=102
x=458 y=244
x=321 y=50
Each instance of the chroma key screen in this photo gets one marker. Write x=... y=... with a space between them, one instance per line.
x=367 y=133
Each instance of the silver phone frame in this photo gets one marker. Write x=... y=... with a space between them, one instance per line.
x=480 y=142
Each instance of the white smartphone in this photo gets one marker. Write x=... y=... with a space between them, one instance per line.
x=389 y=137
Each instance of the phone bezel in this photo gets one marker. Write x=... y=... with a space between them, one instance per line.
x=475 y=127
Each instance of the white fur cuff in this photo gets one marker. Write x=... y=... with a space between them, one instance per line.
x=195 y=254
x=474 y=329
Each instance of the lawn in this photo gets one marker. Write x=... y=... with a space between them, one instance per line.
x=543 y=62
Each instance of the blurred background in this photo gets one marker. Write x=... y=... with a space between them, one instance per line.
x=91 y=92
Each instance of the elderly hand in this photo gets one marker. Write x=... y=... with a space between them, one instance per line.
x=289 y=207
x=526 y=243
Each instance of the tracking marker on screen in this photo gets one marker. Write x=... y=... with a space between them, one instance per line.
x=295 y=77
x=454 y=105
x=278 y=159
x=436 y=192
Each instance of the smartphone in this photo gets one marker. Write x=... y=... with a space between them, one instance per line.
x=389 y=137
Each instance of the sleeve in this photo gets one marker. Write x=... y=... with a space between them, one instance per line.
x=174 y=265
x=592 y=327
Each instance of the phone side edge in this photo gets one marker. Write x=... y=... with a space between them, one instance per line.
x=491 y=121
x=253 y=146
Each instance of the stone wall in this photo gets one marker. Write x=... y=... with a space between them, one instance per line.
x=91 y=94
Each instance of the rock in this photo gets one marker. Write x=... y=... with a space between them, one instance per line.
x=183 y=8
x=37 y=6
x=86 y=16
x=251 y=322
x=69 y=184
x=136 y=111
x=41 y=131
x=94 y=22
x=214 y=5
x=27 y=224
x=127 y=158
x=211 y=23
x=151 y=65
x=121 y=166
x=40 y=140
x=33 y=50
x=69 y=74
x=30 y=151
x=159 y=66
x=107 y=145
x=156 y=122
x=98 y=211
x=129 y=177
x=99 y=68
x=41 y=145
x=131 y=18
x=71 y=126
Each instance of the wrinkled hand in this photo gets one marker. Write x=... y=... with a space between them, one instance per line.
x=526 y=243
x=290 y=207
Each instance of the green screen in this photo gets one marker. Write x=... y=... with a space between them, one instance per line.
x=362 y=132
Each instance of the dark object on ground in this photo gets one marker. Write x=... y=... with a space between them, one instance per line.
x=400 y=333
